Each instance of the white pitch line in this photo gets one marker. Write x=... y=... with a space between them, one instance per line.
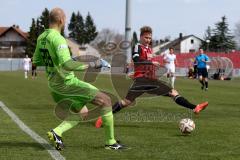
x=54 y=153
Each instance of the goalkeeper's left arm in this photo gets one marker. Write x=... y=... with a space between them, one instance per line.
x=67 y=63
x=72 y=65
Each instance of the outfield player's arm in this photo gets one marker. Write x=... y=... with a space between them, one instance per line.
x=175 y=61
x=37 y=57
x=136 y=56
x=207 y=60
x=165 y=59
x=136 y=53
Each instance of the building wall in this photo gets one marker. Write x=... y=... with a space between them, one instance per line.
x=17 y=52
x=18 y=43
x=76 y=51
x=187 y=46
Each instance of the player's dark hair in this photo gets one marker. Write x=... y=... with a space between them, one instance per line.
x=145 y=29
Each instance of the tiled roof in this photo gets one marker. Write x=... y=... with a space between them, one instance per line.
x=4 y=30
x=176 y=42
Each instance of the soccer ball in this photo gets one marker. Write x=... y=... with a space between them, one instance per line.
x=186 y=125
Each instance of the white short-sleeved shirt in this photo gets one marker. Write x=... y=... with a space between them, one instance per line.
x=171 y=59
x=26 y=63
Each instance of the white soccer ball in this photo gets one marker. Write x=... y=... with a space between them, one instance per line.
x=186 y=125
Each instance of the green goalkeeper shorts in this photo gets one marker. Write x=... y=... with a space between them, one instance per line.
x=75 y=90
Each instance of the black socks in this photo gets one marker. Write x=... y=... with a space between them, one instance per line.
x=178 y=99
x=206 y=84
x=201 y=81
x=183 y=102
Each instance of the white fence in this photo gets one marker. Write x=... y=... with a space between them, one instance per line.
x=11 y=64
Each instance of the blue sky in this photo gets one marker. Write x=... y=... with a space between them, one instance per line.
x=167 y=17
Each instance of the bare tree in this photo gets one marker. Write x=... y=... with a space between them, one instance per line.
x=107 y=41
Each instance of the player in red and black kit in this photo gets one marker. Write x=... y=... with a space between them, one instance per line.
x=145 y=80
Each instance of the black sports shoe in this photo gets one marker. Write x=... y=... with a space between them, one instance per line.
x=57 y=140
x=116 y=146
x=202 y=87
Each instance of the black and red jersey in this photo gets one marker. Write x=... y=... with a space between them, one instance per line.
x=142 y=58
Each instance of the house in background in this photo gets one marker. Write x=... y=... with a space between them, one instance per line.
x=183 y=44
x=77 y=50
x=12 y=42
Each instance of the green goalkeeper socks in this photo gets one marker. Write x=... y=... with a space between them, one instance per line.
x=64 y=126
x=108 y=124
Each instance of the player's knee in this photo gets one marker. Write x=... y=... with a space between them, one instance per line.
x=107 y=100
x=104 y=100
x=173 y=93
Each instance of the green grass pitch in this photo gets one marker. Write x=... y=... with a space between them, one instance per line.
x=150 y=128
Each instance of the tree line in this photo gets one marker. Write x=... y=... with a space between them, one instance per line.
x=81 y=30
x=219 y=39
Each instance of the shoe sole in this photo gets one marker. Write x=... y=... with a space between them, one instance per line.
x=122 y=148
x=107 y=148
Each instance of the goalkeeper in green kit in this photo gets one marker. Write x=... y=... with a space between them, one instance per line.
x=52 y=52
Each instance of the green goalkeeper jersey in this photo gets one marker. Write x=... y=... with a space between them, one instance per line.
x=52 y=52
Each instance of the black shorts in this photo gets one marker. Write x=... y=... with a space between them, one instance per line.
x=203 y=72
x=145 y=85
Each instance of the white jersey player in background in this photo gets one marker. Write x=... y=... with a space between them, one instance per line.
x=26 y=66
x=169 y=60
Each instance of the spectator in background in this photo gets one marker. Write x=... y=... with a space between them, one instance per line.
x=169 y=60
x=191 y=73
x=34 y=71
x=26 y=66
